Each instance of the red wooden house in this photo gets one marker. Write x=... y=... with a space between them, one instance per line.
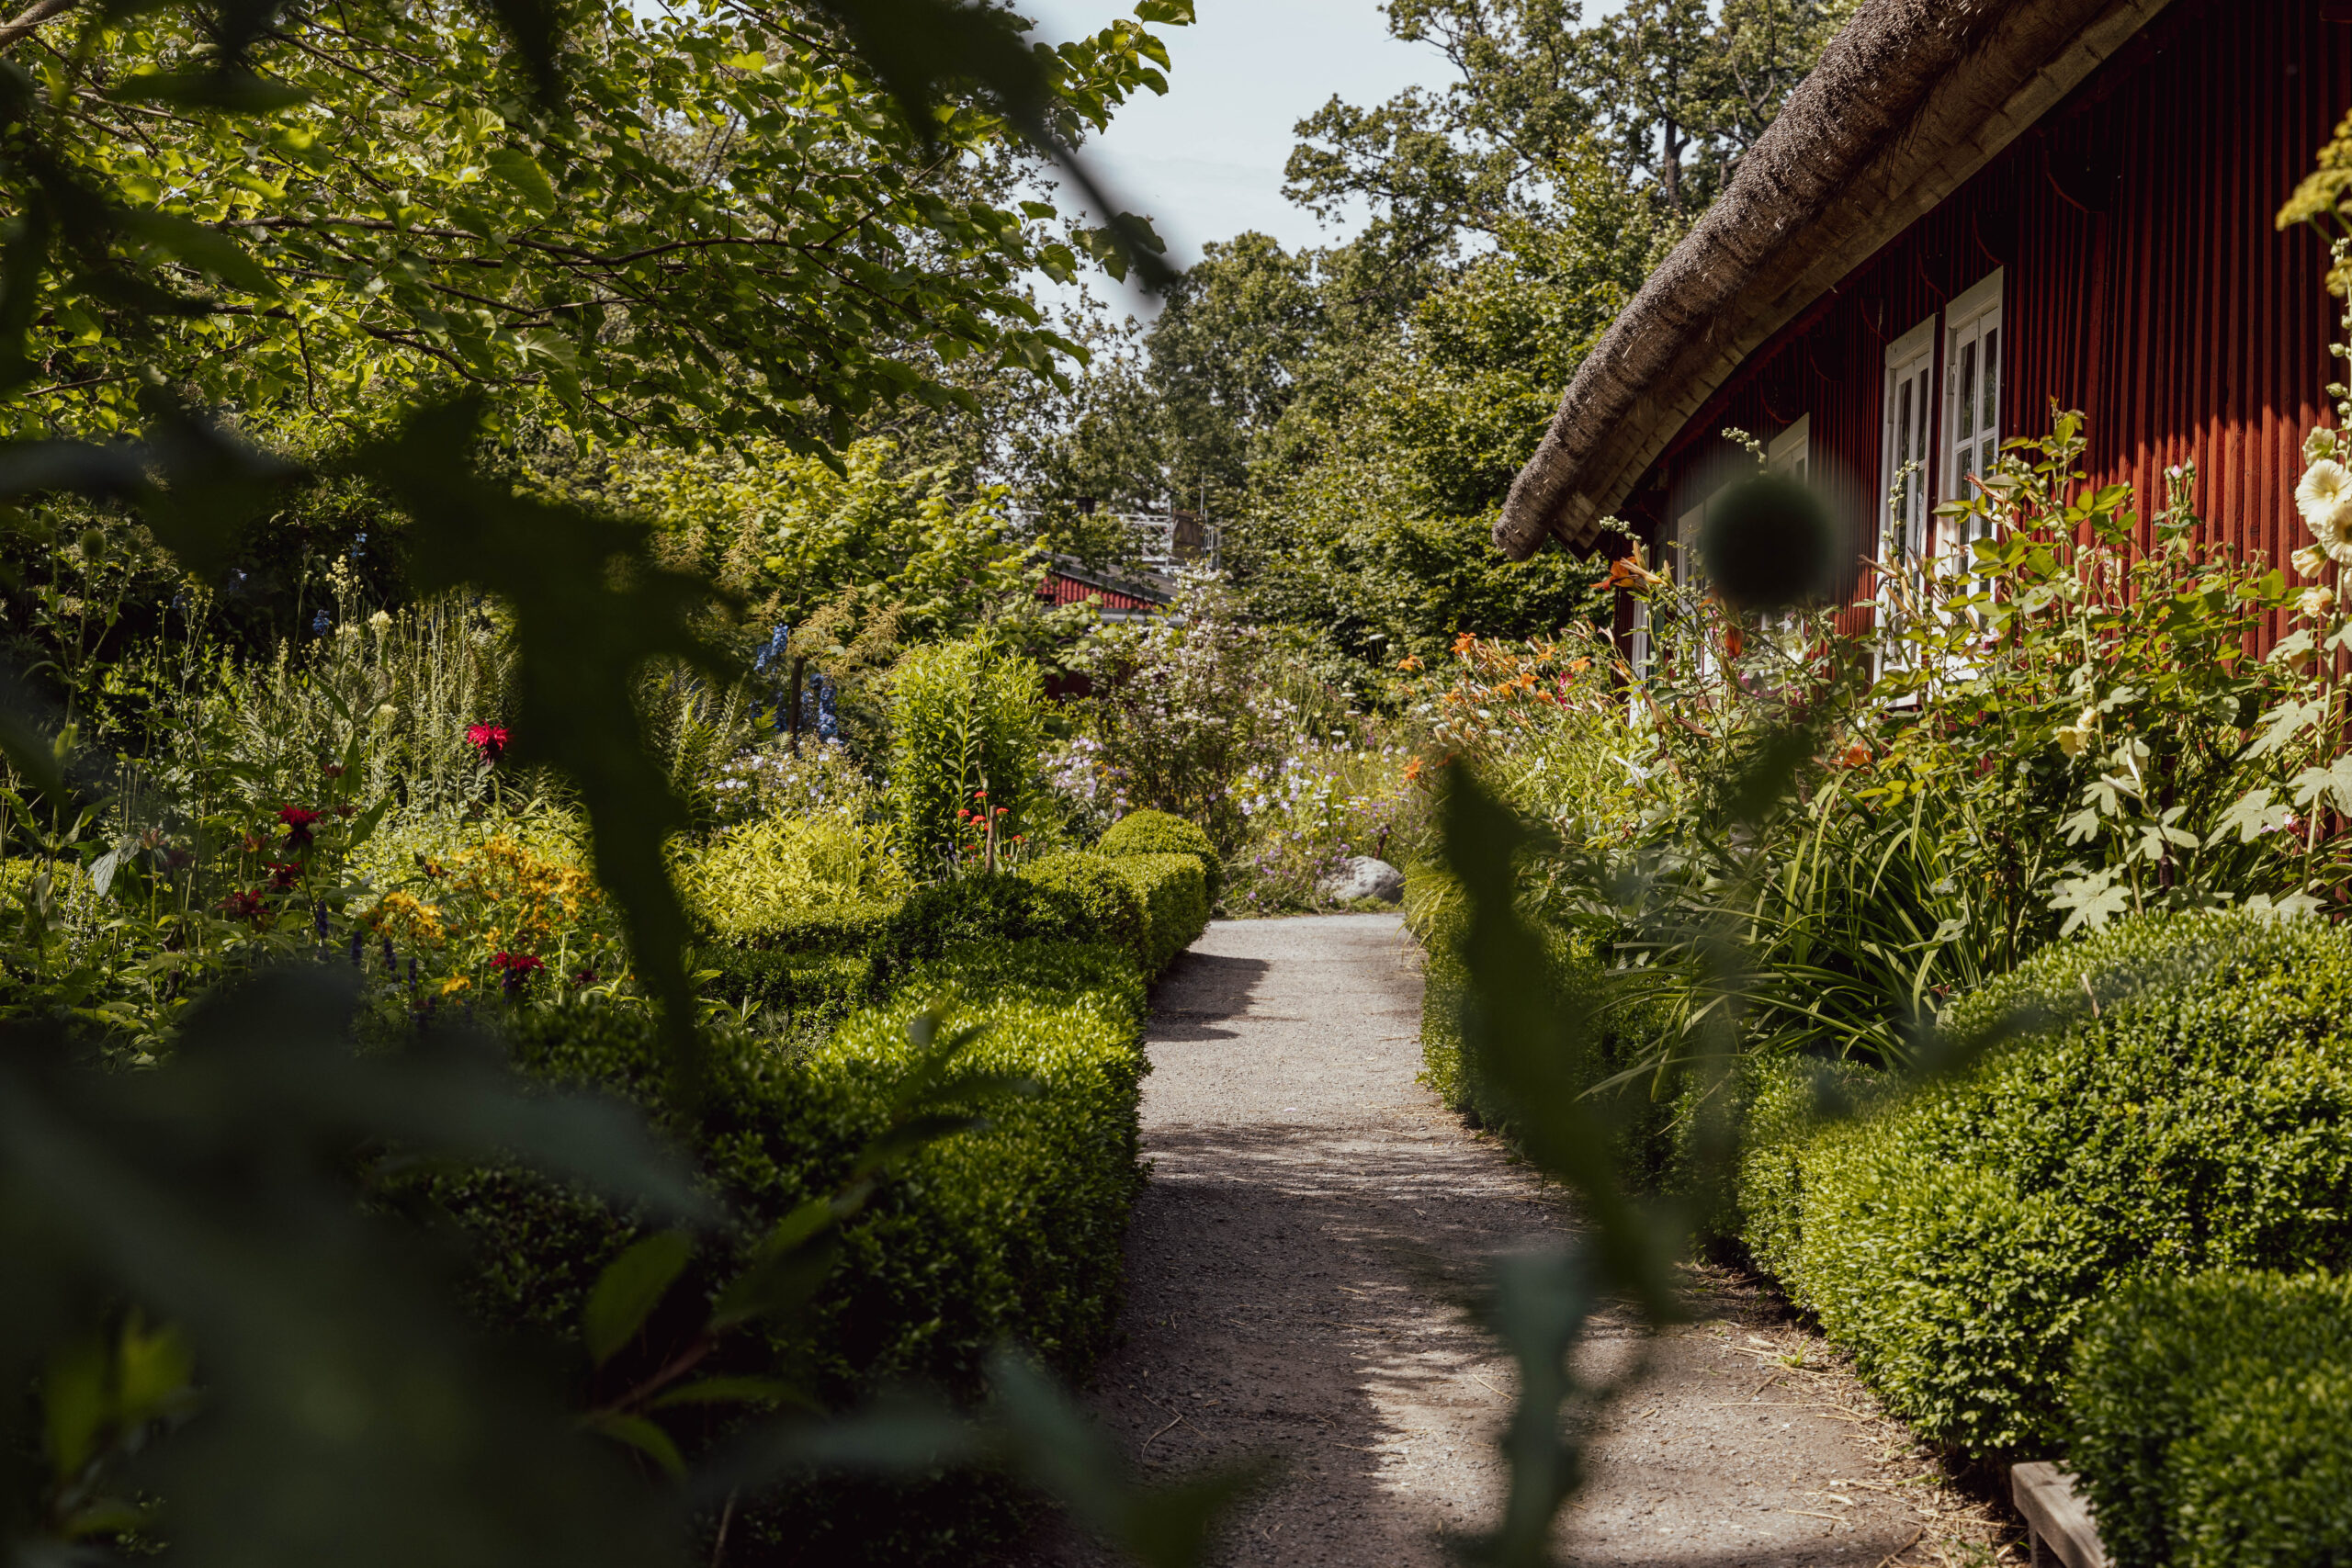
x=1970 y=209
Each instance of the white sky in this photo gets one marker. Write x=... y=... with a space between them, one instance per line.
x=1206 y=162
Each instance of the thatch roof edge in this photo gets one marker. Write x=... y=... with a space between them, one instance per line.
x=1908 y=103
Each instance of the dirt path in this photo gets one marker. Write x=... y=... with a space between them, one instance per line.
x=1295 y=1271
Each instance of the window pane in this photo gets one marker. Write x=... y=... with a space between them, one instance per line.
x=1989 y=416
x=1964 y=406
x=1903 y=425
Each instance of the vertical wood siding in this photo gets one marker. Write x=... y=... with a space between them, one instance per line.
x=2143 y=284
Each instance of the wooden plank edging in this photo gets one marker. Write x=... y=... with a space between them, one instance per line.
x=2058 y=1518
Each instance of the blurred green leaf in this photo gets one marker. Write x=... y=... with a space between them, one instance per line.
x=628 y=1289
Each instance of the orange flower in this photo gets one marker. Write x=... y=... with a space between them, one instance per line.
x=1855 y=756
x=1410 y=661
x=1465 y=642
x=1733 y=641
x=1627 y=572
x=1412 y=769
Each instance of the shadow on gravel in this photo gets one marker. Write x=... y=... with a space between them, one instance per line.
x=1200 y=992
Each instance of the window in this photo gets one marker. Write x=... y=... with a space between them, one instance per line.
x=1791 y=452
x=1688 y=570
x=1903 y=542
x=1972 y=394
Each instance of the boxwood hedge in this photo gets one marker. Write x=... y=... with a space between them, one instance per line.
x=2211 y=1416
x=1109 y=905
x=1160 y=833
x=1642 y=1113
x=1012 y=1232
x=2176 y=1098
x=1175 y=894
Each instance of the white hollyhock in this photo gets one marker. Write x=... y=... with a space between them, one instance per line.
x=2325 y=487
x=2309 y=559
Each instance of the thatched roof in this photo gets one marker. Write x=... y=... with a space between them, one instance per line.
x=1912 y=98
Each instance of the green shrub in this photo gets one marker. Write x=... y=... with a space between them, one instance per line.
x=1175 y=894
x=1159 y=833
x=2183 y=1103
x=762 y=876
x=964 y=717
x=1109 y=903
x=1642 y=1112
x=1780 y=1104
x=805 y=962
x=1010 y=1232
x=1004 y=910
x=2212 y=1422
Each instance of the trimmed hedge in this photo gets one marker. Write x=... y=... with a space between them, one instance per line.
x=811 y=961
x=1011 y=1232
x=2213 y=1422
x=1160 y=833
x=2197 y=1116
x=1642 y=1113
x=1175 y=894
x=1109 y=904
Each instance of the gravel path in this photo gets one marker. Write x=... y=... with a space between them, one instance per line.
x=1296 y=1274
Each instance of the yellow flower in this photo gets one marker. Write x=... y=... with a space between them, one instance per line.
x=2315 y=602
x=380 y=622
x=2309 y=559
x=454 y=984
x=2076 y=739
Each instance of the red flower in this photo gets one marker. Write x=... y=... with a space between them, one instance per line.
x=488 y=740
x=298 y=827
x=243 y=907
x=519 y=966
x=1003 y=810
x=282 y=874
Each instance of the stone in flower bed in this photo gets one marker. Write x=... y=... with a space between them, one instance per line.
x=1362 y=876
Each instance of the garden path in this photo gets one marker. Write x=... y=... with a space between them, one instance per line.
x=1295 y=1272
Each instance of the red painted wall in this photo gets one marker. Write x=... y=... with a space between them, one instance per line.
x=2144 y=284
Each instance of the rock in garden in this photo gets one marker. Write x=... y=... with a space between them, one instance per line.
x=1362 y=876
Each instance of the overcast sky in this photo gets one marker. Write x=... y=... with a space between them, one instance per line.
x=1206 y=162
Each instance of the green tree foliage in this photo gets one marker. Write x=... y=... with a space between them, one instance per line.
x=720 y=224
x=1675 y=91
x=1374 y=535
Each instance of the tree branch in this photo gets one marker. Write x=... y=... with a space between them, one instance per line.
x=40 y=11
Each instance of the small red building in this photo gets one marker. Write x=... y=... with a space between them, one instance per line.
x=1970 y=209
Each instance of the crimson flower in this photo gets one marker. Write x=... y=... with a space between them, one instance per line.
x=282 y=874
x=298 y=827
x=488 y=740
x=518 y=967
x=243 y=907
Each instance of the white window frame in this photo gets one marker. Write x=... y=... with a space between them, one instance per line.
x=1974 y=352
x=1687 y=529
x=1791 y=452
x=1907 y=438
